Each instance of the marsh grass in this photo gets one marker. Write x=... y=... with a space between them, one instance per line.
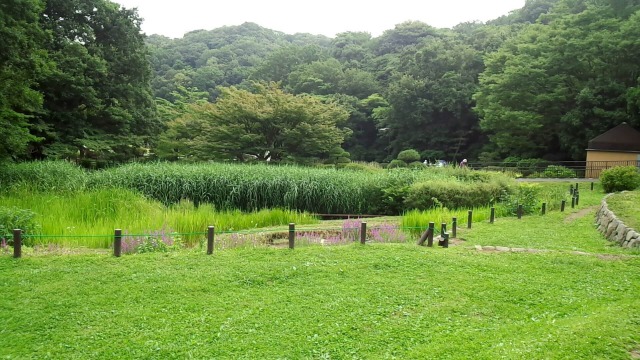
x=88 y=219
x=246 y=187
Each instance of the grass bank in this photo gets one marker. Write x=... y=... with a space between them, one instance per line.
x=377 y=301
x=625 y=206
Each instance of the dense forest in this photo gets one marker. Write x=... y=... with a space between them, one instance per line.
x=79 y=80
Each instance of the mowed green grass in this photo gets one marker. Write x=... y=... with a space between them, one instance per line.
x=377 y=301
x=577 y=299
x=625 y=206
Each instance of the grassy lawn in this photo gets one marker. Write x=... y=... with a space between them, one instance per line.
x=625 y=206
x=377 y=301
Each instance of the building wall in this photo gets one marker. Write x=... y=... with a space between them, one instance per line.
x=601 y=160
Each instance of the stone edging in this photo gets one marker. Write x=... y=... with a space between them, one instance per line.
x=614 y=229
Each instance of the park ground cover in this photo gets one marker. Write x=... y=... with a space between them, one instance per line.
x=574 y=297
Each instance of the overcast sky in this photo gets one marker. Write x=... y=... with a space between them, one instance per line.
x=326 y=17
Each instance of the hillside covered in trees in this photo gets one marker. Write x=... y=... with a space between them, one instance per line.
x=78 y=79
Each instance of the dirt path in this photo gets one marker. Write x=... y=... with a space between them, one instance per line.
x=591 y=210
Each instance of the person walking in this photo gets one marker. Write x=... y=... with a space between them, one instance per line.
x=463 y=163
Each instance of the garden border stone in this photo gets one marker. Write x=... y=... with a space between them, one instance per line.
x=614 y=229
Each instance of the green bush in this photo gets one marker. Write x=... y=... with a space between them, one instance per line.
x=526 y=195
x=452 y=194
x=409 y=156
x=362 y=166
x=530 y=166
x=396 y=164
x=620 y=178
x=14 y=218
x=557 y=171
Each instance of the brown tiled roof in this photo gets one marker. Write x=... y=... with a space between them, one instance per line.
x=621 y=138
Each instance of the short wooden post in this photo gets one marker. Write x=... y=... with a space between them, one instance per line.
x=363 y=233
x=571 y=189
x=469 y=219
x=443 y=229
x=573 y=202
x=423 y=238
x=454 y=227
x=292 y=235
x=445 y=240
x=577 y=198
x=17 y=243
x=210 y=235
x=562 y=204
x=117 y=243
x=544 y=208
x=576 y=187
x=519 y=211
x=432 y=228
x=492 y=218
x=592 y=186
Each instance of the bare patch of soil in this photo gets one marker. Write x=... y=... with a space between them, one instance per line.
x=582 y=213
x=611 y=257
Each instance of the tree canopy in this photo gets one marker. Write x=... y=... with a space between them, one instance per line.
x=79 y=79
x=265 y=124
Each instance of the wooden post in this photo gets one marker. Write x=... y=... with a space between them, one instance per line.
x=577 y=198
x=571 y=189
x=493 y=215
x=432 y=227
x=576 y=186
x=210 y=234
x=454 y=227
x=592 y=186
x=443 y=229
x=292 y=235
x=17 y=243
x=564 y=202
x=423 y=238
x=363 y=233
x=469 y=219
x=117 y=243
x=445 y=240
x=573 y=202
x=544 y=208
x=519 y=211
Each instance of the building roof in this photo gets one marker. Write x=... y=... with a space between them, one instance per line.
x=621 y=138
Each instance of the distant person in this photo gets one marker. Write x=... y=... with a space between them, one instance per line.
x=463 y=163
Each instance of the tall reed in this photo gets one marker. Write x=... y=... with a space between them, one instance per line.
x=89 y=218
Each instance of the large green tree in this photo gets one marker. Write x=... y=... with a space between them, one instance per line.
x=562 y=81
x=263 y=124
x=98 y=97
x=22 y=61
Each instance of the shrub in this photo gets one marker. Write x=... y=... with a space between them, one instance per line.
x=557 y=171
x=526 y=195
x=362 y=166
x=14 y=218
x=620 y=178
x=452 y=194
x=531 y=166
x=409 y=156
x=396 y=164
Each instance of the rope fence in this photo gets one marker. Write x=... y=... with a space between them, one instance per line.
x=351 y=232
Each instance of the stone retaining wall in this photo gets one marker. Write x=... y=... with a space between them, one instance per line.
x=614 y=229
